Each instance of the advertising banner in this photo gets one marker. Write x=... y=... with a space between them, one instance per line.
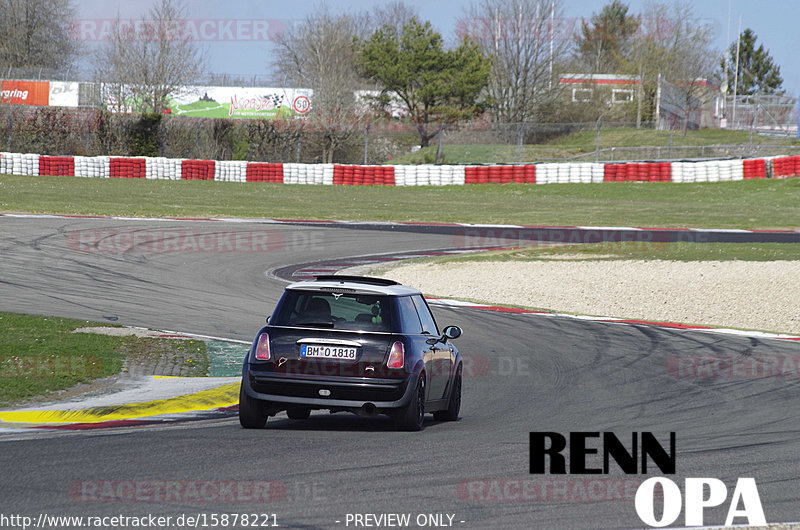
x=24 y=92
x=64 y=94
x=242 y=103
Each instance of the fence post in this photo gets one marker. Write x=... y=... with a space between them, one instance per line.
x=520 y=140
x=439 y=144
x=366 y=143
x=597 y=143
x=10 y=124
x=670 y=142
x=163 y=137
x=88 y=133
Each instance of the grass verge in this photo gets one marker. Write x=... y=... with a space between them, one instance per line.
x=40 y=355
x=765 y=204
x=635 y=250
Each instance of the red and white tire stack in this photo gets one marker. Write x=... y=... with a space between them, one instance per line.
x=399 y=175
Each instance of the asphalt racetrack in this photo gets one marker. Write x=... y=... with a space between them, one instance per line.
x=528 y=373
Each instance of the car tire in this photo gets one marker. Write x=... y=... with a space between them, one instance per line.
x=251 y=411
x=300 y=413
x=412 y=416
x=454 y=405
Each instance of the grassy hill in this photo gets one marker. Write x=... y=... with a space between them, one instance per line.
x=584 y=142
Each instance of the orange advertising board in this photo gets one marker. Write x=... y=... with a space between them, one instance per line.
x=24 y=93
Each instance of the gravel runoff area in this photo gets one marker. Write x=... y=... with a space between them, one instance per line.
x=753 y=295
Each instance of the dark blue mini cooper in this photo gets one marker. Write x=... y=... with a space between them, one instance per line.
x=356 y=344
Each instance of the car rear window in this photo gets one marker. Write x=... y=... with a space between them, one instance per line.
x=351 y=311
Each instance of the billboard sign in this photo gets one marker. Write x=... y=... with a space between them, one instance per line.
x=64 y=93
x=24 y=92
x=242 y=102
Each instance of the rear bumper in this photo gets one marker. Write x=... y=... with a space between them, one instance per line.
x=345 y=393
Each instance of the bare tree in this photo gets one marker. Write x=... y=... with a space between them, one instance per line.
x=525 y=51
x=395 y=15
x=147 y=63
x=319 y=54
x=673 y=44
x=36 y=34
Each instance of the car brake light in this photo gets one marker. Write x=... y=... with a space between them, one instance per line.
x=262 y=348
x=397 y=356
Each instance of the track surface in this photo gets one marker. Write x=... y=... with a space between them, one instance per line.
x=532 y=374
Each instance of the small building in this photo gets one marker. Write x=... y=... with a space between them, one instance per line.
x=610 y=96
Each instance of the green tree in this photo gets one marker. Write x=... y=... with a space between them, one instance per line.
x=143 y=136
x=435 y=85
x=758 y=73
x=605 y=41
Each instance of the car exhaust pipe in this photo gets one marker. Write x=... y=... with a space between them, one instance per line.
x=367 y=410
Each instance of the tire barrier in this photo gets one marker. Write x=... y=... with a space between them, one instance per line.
x=197 y=170
x=785 y=166
x=754 y=169
x=230 y=171
x=20 y=164
x=363 y=175
x=127 y=168
x=163 y=168
x=264 y=172
x=309 y=173
x=401 y=175
x=57 y=166
x=500 y=174
x=92 y=166
x=638 y=172
x=429 y=175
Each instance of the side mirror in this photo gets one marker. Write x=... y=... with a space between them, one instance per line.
x=452 y=332
x=266 y=321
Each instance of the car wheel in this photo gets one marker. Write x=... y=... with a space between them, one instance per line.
x=411 y=417
x=454 y=405
x=298 y=413
x=251 y=411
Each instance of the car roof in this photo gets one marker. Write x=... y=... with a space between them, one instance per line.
x=355 y=284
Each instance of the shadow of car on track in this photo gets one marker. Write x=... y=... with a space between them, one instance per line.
x=342 y=423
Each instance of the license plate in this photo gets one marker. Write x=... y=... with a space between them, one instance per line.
x=328 y=352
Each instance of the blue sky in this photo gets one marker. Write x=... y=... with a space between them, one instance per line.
x=774 y=21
